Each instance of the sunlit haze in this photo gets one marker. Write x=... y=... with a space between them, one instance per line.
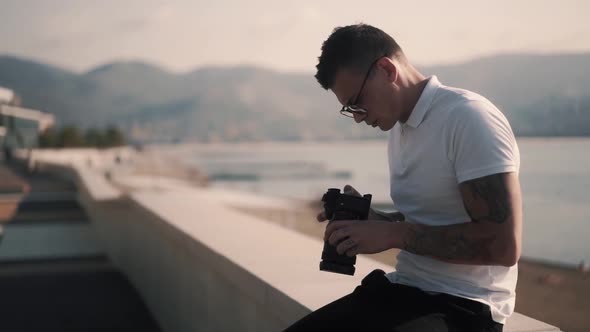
x=181 y=35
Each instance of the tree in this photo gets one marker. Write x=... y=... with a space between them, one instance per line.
x=48 y=138
x=70 y=137
x=94 y=138
x=113 y=137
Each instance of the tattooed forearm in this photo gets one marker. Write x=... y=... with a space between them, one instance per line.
x=447 y=242
x=492 y=238
x=487 y=199
x=386 y=216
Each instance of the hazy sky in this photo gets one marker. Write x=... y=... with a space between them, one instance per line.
x=181 y=35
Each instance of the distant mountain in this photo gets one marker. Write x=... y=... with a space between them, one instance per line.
x=554 y=115
x=533 y=91
x=540 y=94
x=515 y=81
x=142 y=82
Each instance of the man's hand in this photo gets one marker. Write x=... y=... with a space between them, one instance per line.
x=352 y=237
x=349 y=190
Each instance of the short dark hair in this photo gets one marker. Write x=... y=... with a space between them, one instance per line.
x=355 y=47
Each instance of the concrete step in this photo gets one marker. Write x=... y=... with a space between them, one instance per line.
x=48 y=205
x=42 y=208
x=10 y=182
x=38 y=202
x=35 y=241
x=63 y=216
x=38 y=196
x=38 y=181
x=44 y=267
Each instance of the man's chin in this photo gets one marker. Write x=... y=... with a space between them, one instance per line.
x=387 y=127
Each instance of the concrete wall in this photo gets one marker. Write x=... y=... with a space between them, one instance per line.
x=202 y=266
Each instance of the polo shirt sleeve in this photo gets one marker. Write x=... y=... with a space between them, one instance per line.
x=482 y=142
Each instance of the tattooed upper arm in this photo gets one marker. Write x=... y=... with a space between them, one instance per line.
x=487 y=198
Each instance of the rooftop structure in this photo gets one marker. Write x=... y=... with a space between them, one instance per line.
x=6 y=95
x=21 y=127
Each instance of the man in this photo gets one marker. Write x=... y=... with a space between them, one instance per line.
x=454 y=175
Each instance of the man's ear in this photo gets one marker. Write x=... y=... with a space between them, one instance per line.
x=391 y=68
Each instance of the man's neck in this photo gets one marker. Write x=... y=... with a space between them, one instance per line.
x=414 y=84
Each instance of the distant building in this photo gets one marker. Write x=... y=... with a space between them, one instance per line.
x=20 y=127
x=6 y=95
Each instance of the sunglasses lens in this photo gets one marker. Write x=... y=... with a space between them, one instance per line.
x=348 y=114
x=356 y=110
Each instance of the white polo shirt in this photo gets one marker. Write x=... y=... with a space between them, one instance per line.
x=451 y=136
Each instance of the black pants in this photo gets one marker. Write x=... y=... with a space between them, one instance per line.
x=379 y=305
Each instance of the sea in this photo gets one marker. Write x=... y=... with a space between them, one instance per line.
x=554 y=175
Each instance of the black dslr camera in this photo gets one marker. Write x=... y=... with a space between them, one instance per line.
x=339 y=206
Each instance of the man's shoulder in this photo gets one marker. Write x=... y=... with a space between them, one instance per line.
x=467 y=116
x=461 y=105
x=457 y=99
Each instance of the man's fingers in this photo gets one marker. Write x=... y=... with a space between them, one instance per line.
x=352 y=252
x=339 y=235
x=348 y=189
x=334 y=226
x=345 y=246
x=321 y=216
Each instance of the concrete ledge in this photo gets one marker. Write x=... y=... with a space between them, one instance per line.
x=202 y=266
x=287 y=261
x=85 y=167
x=96 y=185
x=88 y=157
x=231 y=263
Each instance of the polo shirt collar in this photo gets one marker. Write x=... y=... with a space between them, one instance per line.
x=423 y=104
